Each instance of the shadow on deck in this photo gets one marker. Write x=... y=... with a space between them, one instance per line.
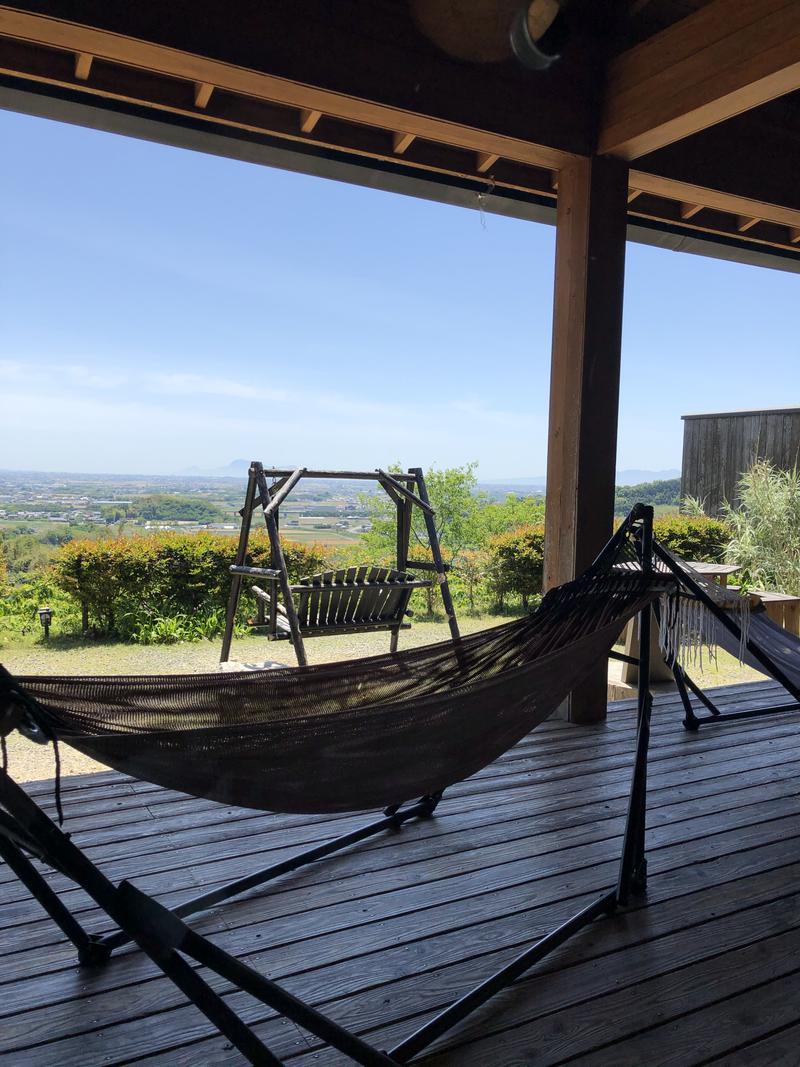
x=384 y=935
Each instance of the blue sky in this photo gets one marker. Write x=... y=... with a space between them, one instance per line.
x=161 y=308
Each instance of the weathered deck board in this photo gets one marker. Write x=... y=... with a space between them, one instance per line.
x=386 y=934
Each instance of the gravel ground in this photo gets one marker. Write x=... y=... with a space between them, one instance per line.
x=30 y=762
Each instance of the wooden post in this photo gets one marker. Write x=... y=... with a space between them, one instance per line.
x=584 y=383
x=436 y=552
x=277 y=555
x=404 y=509
x=241 y=557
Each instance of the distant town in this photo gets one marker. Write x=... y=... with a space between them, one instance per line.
x=330 y=512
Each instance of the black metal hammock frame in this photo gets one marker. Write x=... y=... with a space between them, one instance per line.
x=411 y=723
x=762 y=644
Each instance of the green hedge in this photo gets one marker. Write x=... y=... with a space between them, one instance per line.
x=516 y=558
x=130 y=587
x=693 y=538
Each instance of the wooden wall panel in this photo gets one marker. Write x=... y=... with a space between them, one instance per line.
x=719 y=448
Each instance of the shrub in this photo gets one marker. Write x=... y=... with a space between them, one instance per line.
x=691 y=537
x=130 y=587
x=766 y=529
x=516 y=563
x=20 y=603
x=516 y=558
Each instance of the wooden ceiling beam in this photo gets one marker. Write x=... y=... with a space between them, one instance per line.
x=745 y=223
x=724 y=59
x=650 y=194
x=163 y=60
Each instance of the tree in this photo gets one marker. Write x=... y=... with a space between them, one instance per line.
x=472 y=568
x=496 y=517
x=456 y=502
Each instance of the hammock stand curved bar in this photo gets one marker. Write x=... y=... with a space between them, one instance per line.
x=447 y=690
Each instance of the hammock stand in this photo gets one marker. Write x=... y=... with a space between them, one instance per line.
x=165 y=937
x=355 y=600
x=786 y=673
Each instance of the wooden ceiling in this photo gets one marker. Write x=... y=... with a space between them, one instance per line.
x=698 y=94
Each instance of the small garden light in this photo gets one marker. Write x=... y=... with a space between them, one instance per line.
x=45 y=618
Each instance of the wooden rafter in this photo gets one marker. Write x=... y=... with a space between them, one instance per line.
x=794 y=235
x=202 y=93
x=745 y=223
x=688 y=211
x=309 y=119
x=695 y=196
x=138 y=55
x=726 y=58
x=83 y=66
x=401 y=142
x=485 y=161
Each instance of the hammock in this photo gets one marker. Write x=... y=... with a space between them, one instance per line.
x=345 y=736
x=329 y=738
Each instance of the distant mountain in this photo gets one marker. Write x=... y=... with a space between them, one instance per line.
x=537 y=484
x=237 y=468
x=636 y=477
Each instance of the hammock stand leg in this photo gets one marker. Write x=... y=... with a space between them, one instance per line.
x=693 y=721
x=36 y=885
x=684 y=683
x=57 y=849
x=392 y=819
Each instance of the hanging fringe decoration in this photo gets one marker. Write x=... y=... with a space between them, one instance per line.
x=688 y=627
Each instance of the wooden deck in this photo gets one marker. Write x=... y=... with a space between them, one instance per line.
x=708 y=971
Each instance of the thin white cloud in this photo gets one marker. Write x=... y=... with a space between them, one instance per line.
x=126 y=422
x=202 y=385
x=94 y=379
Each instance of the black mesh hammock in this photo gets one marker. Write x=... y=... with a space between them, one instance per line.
x=353 y=735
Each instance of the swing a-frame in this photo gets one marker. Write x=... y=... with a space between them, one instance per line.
x=345 y=601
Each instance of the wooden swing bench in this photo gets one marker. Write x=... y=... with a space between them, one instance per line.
x=351 y=600
x=346 y=601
